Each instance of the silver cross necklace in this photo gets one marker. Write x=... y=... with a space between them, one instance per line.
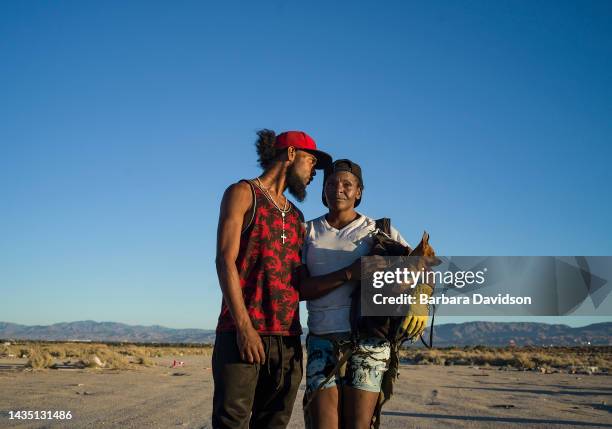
x=283 y=211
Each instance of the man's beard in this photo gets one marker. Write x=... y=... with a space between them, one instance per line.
x=296 y=186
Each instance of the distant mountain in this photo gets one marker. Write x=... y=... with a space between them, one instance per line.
x=89 y=330
x=521 y=334
x=450 y=334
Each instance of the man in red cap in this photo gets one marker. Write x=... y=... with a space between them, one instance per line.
x=257 y=358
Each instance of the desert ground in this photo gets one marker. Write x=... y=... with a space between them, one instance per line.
x=156 y=395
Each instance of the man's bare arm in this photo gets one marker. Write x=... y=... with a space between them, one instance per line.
x=236 y=201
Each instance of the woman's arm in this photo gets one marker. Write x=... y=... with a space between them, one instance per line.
x=316 y=287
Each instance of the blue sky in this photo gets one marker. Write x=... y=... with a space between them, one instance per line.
x=486 y=123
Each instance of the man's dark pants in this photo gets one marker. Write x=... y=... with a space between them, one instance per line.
x=267 y=390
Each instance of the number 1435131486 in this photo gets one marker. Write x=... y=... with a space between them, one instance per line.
x=40 y=415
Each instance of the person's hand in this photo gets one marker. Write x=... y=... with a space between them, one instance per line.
x=250 y=345
x=414 y=325
x=415 y=321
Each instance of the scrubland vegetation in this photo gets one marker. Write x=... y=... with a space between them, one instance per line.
x=42 y=354
x=544 y=359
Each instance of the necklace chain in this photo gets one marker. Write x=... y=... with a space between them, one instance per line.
x=285 y=208
x=282 y=211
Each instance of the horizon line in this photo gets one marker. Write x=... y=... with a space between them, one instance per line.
x=306 y=328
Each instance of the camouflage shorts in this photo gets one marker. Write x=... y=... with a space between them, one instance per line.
x=364 y=370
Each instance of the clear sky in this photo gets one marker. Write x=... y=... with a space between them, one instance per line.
x=121 y=123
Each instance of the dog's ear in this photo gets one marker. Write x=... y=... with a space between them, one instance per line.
x=425 y=238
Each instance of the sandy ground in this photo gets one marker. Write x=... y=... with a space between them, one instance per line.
x=426 y=397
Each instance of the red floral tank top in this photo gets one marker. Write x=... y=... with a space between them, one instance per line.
x=266 y=268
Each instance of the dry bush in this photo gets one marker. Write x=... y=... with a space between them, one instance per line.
x=524 y=360
x=5 y=351
x=110 y=357
x=71 y=352
x=57 y=352
x=600 y=362
x=131 y=351
x=39 y=359
x=155 y=353
x=161 y=351
x=574 y=358
x=142 y=360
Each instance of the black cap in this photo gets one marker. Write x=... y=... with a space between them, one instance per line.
x=342 y=165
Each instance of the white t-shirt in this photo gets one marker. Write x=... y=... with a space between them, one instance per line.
x=327 y=249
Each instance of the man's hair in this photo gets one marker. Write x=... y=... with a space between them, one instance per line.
x=266 y=151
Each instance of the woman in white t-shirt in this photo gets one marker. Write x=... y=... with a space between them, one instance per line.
x=333 y=245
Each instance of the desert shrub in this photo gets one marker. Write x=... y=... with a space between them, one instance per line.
x=575 y=358
x=72 y=352
x=39 y=359
x=156 y=353
x=601 y=362
x=142 y=360
x=57 y=352
x=90 y=361
x=132 y=351
x=523 y=361
x=111 y=357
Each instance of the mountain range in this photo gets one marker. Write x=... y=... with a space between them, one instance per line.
x=449 y=334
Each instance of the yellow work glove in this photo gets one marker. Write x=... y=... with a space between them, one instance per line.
x=416 y=320
x=414 y=325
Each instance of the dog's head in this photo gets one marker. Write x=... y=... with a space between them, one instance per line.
x=425 y=250
x=425 y=258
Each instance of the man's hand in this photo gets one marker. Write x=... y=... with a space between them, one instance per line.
x=250 y=345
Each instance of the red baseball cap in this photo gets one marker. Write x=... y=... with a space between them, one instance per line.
x=302 y=141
